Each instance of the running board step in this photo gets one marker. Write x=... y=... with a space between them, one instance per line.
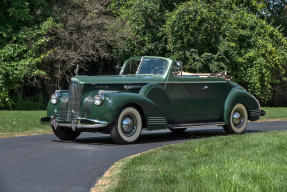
x=188 y=125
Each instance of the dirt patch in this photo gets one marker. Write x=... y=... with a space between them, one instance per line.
x=110 y=175
x=270 y=120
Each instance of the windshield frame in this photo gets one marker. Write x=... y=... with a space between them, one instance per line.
x=169 y=61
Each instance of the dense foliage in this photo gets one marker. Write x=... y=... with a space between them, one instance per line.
x=44 y=43
x=210 y=37
x=82 y=43
x=24 y=26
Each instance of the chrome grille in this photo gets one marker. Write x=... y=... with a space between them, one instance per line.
x=74 y=103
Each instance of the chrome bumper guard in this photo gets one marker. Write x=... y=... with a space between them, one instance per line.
x=76 y=123
x=257 y=113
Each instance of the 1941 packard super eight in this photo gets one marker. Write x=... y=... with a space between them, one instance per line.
x=149 y=93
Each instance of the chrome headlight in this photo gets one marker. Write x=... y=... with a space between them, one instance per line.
x=55 y=98
x=98 y=99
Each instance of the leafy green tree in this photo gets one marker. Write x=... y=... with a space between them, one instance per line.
x=254 y=52
x=144 y=20
x=18 y=14
x=43 y=42
x=24 y=25
x=21 y=60
x=209 y=37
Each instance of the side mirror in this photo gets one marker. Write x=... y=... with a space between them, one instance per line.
x=177 y=67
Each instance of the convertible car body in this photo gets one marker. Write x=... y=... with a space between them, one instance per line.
x=149 y=93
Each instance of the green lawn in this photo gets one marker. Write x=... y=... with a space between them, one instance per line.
x=13 y=123
x=275 y=113
x=242 y=163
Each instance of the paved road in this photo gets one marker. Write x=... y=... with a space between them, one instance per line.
x=44 y=163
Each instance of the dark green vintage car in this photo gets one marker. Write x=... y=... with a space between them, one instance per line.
x=149 y=93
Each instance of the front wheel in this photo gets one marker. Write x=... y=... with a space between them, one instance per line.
x=127 y=127
x=65 y=133
x=238 y=120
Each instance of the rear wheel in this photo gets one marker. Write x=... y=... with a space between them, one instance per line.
x=127 y=127
x=65 y=133
x=238 y=119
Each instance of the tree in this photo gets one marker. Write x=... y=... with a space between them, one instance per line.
x=144 y=20
x=83 y=42
x=209 y=37
x=23 y=31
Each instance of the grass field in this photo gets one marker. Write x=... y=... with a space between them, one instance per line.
x=243 y=163
x=275 y=113
x=13 y=123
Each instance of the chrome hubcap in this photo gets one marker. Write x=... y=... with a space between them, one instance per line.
x=238 y=119
x=129 y=125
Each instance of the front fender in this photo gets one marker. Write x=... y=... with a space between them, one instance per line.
x=61 y=105
x=238 y=95
x=149 y=109
x=157 y=94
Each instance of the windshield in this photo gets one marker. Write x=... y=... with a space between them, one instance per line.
x=146 y=66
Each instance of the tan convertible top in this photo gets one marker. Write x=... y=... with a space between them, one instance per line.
x=222 y=74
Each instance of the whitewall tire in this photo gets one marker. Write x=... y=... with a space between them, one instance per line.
x=128 y=126
x=238 y=119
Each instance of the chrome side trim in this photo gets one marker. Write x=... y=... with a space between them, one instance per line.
x=159 y=82
x=191 y=82
x=129 y=87
x=106 y=91
x=156 y=120
x=187 y=125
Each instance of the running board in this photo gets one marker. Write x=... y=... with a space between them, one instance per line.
x=188 y=125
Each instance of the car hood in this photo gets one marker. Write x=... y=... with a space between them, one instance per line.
x=117 y=79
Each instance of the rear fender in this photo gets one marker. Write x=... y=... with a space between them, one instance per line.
x=238 y=95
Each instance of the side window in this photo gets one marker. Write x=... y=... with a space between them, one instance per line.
x=131 y=67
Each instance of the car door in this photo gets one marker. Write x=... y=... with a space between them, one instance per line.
x=188 y=97
x=218 y=90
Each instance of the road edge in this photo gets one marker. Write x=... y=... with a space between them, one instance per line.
x=102 y=184
x=271 y=120
x=8 y=135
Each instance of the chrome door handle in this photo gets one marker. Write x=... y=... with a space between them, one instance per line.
x=205 y=87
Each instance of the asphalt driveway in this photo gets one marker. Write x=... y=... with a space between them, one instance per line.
x=44 y=163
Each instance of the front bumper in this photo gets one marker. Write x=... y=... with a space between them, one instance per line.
x=77 y=123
